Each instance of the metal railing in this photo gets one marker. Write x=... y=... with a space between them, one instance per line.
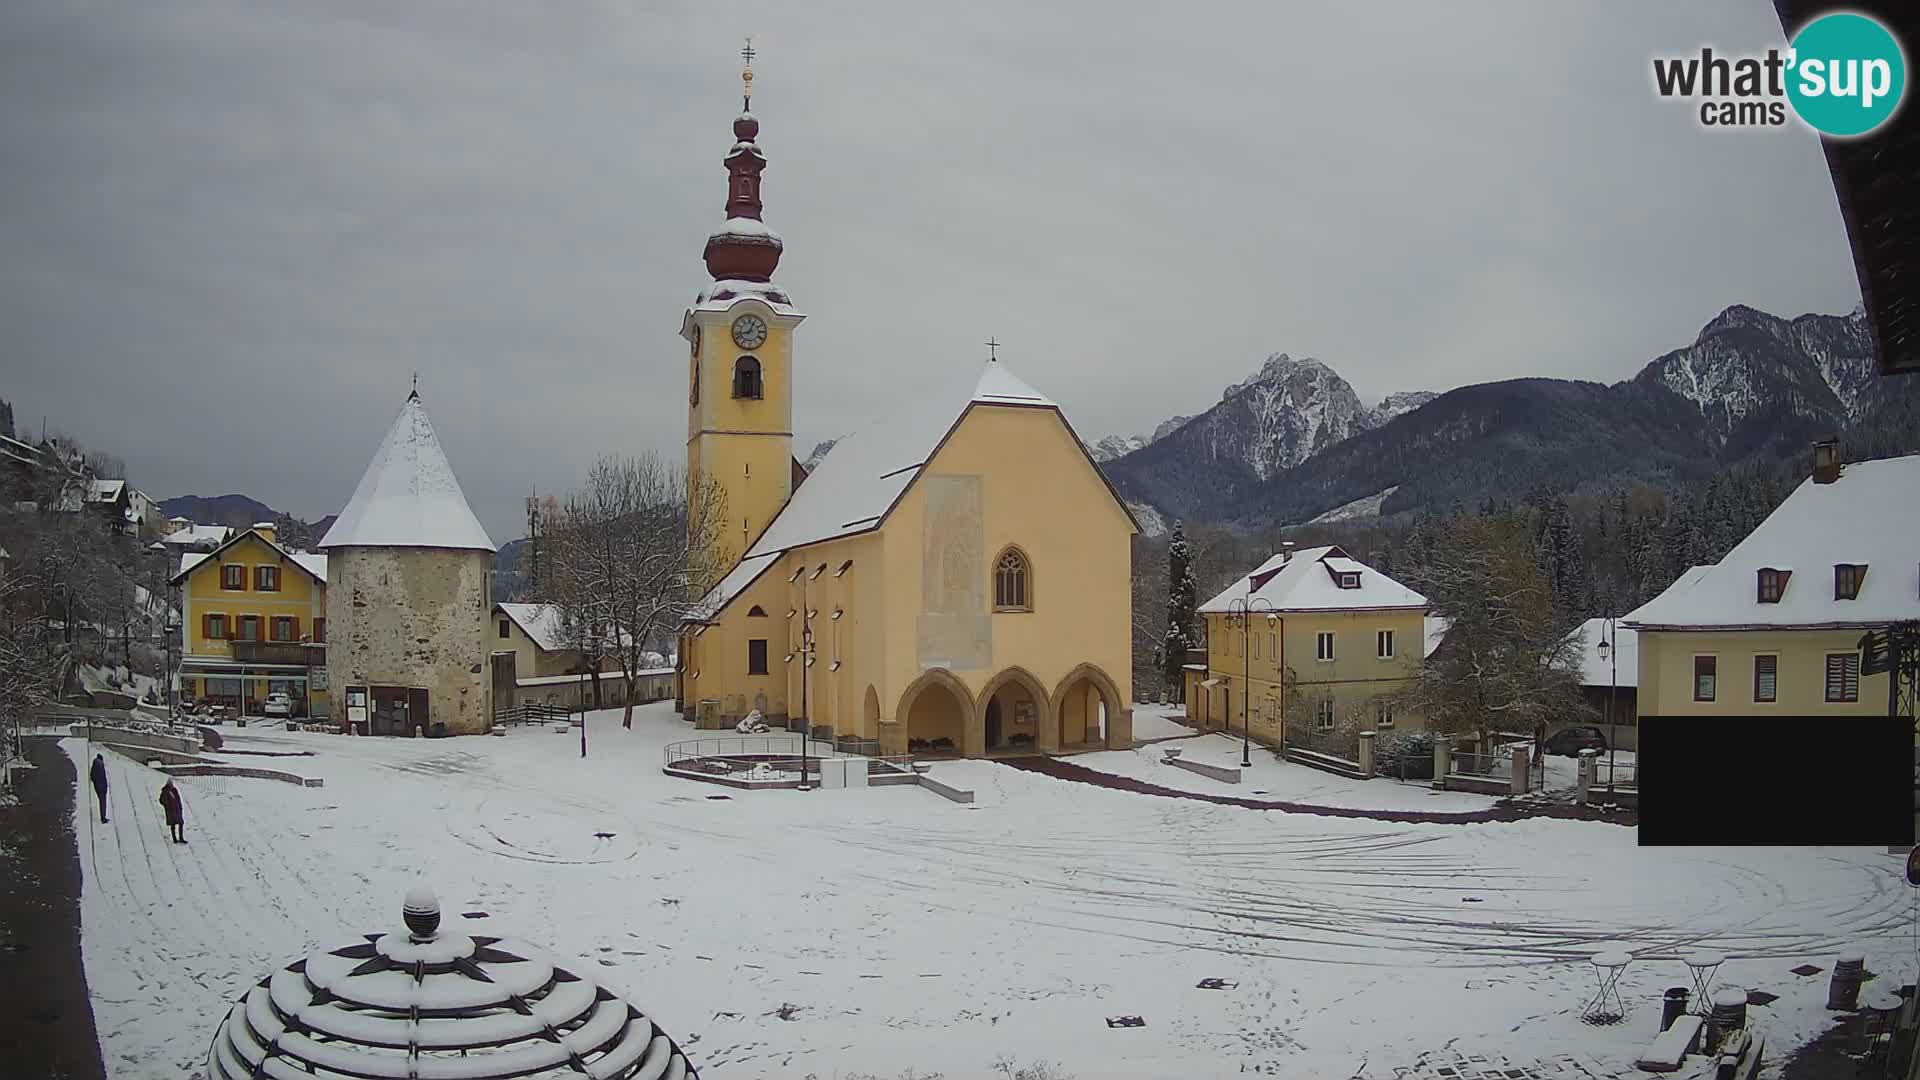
x=1624 y=774
x=1470 y=764
x=781 y=753
x=1334 y=742
x=533 y=712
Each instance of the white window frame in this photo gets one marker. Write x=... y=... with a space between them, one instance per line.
x=1383 y=715
x=1323 y=714
x=1323 y=646
x=1383 y=644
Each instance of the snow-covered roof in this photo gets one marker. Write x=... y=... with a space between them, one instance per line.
x=1620 y=669
x=312 y=562
x=544 y=624
x=106 y=490
x=748 y=227
x=197 y=535
x=852 y=488
x=1869 y=516
x=860 y=478
x=745 y=573
x=1436 y=631
x=727 y=292
x=408 y=496
x=1304 y=584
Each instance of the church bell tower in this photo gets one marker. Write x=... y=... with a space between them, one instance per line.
x=739 y=334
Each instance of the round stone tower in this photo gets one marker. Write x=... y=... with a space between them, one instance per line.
x=408 y=593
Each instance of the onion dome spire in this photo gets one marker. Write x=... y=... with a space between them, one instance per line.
x=744 y=249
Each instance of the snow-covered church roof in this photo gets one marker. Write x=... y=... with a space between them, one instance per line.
x=864 y=475
x=408 y=496
x=1867 y=517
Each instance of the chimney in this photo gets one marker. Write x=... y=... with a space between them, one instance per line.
x=265 y=529
x=1826 y=461
x=1286 y=552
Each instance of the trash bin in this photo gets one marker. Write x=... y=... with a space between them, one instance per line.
x=1673 y=1006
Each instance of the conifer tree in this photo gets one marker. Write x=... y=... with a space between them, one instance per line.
x=1182 y=599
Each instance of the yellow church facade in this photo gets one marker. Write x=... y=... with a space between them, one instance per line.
x=955 y=579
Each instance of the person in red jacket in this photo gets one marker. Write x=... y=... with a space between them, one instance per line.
x=176 y=812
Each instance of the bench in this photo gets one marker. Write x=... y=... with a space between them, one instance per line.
x=1664 y=1053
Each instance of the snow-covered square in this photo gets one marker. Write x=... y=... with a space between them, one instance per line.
x=854 y=932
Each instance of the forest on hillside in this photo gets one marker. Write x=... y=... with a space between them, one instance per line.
x=1600 y=554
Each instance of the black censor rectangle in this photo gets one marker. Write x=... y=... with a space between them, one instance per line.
x=1776 y=780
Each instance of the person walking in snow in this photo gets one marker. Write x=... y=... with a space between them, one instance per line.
x=99 y=773
x=176 y=812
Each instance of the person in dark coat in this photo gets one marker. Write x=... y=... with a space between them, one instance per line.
x=176 y=812
x=99 y=773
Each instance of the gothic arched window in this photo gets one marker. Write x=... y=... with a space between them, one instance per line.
x=1012 y=584
x=746 y=378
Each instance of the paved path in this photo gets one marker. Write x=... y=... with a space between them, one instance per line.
x=1063 y=769
x=46 y=1019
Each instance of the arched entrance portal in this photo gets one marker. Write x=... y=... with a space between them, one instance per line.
x=1014 y=715
x=1086 y=706
x=935 y=711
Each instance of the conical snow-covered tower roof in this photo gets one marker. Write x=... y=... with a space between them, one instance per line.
x=408 y=497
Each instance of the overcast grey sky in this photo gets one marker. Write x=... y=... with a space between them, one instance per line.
x=230 y=230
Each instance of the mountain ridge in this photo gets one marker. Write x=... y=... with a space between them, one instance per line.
x=1291 y=445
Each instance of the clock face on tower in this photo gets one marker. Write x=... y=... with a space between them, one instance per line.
x=749 y=332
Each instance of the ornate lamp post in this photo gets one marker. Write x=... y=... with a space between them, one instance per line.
x=1241 y=611
x=1610 y=651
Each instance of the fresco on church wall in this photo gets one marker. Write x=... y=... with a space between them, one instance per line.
x=954 y=632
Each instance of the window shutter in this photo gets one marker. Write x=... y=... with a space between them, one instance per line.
x=206 y=627
x=1766 y=678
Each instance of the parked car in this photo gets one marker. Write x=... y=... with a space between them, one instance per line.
x=277 y=705
x=1570 y=741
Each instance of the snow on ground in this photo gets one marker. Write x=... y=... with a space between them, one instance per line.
x=913 y=933
x=1273 y=778
x=1159 y=722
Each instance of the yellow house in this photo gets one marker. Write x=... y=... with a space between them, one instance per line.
x=253 y=619
x=1308 y=650
x=1774 y=628
x=954 y=579
x=533 y=663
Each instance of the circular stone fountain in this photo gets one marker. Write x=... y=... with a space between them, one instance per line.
x=422 y=1003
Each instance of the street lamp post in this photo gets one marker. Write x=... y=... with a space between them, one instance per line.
x=1241 y=610
x=583 y=709
x=171 y=628
x=1610 y=652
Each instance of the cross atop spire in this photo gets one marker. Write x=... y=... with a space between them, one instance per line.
x=746 y=75
x=992 y=350
x=416 y=386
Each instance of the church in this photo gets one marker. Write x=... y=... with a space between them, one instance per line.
x=955 y=579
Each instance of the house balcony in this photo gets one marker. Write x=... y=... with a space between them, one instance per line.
x=280 y=652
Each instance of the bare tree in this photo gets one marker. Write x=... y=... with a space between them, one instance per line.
x=625 y=555
x=1504 y=665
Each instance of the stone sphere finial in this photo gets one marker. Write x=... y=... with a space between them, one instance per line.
x=421 y=910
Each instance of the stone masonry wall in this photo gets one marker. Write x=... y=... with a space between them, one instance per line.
x=412 y=617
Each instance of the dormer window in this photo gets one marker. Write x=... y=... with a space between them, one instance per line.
x=1846 y=580
x=1349 y=581
x=1773 y=585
